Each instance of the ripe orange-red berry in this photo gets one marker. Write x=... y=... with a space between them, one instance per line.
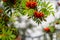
x=47 y=29
x=31 y=4
x=38 y=14
x=41 y=14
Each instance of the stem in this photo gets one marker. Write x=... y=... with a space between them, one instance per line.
x=51 y=36
x=45 y=38
x=23 y=36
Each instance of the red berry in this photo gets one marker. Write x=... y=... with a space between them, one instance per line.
x=28 y=4
x=31 y=4
x=38 y=14
x=41 y=14
x=46 y=29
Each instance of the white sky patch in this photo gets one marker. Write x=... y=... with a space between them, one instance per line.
x=57 y=15
x=50 y=18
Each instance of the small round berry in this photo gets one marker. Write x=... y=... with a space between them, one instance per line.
x=31 y=4
x=47 y=29
x=38 y=14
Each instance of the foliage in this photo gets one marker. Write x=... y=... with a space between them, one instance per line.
x=7 y=34
x=11 y=4
x=46 y=7
x=20 y=6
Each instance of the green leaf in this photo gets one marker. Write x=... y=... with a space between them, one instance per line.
x=23 y=3
x=44 y=4
x=47 y=3
x=49 y=6
x=25 y=12
x=13 y=36
x=53 y=13
x=46 y=12
x=52 y=28
x=30 y=12
x=0 y=37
